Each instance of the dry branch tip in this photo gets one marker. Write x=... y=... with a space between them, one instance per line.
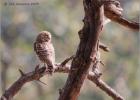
x=41 y=82
x=21 y=72
x=67 y=60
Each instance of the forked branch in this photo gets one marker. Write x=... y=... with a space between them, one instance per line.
x=31 y=76
x=79 y=70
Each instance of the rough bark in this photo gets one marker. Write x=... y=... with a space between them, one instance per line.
x=93 y=23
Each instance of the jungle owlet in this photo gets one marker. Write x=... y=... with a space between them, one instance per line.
x=45 y=50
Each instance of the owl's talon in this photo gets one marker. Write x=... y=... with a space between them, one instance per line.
x=50 y=71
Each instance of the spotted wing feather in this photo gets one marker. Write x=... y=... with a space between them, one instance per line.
x=45 y=53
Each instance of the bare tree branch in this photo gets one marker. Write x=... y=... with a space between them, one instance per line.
x=114 y=14
x=103 y=86
x=79 y=70
x=31 y=76
x=27 y=77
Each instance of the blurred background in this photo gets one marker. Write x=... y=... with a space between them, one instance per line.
x=20 y=24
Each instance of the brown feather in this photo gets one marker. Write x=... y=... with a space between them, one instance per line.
x=45 y=50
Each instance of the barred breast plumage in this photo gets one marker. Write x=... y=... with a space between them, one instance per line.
x=45 y=50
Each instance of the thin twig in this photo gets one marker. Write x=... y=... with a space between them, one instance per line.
x=104 y=47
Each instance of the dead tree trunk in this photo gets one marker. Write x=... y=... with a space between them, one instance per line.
x=93 y=23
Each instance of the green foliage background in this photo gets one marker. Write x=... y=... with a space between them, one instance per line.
x=20 y=25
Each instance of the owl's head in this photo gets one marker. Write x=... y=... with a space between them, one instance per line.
x=44 y=36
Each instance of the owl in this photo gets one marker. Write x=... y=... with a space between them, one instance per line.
x=44 y=49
